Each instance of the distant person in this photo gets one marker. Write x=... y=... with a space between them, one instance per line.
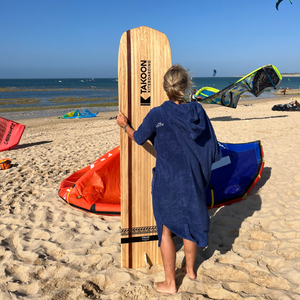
x=186 y=147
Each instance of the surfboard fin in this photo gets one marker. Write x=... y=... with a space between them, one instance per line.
x=148 y=265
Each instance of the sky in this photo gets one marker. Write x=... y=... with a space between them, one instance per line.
x=80 y=39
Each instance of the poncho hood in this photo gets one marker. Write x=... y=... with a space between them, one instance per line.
x=188 y=116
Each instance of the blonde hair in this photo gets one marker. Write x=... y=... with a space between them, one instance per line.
x=176 y=82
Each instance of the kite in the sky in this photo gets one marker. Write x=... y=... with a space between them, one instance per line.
x=214 y=73
x=279 y=1
x=258 y=81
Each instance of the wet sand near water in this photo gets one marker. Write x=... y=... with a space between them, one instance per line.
x=18 y=115
x=49 y=250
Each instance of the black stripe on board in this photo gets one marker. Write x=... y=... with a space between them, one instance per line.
x=139 y=239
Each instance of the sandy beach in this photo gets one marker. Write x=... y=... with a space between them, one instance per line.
x=49 y=250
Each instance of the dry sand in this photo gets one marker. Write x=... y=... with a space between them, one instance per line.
x=49 y=250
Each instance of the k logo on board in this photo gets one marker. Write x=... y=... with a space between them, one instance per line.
x=145 y=79
x=145 y=102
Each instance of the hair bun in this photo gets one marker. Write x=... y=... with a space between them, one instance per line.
x=176 y=82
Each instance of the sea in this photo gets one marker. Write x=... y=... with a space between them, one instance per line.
x=88 y=89
x=46 y=89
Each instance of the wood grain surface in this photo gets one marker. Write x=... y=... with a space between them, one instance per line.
x=144 y=58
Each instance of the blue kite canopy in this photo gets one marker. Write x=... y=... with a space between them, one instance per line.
x=235 y=174
x=87 y=114
x=76 y=114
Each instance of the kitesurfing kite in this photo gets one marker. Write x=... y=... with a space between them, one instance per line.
x=214 y=73
x=279 y=1
x=77 y=115
x=96 y=188
x=10 y=133
x=206 y=91
x=258 y=81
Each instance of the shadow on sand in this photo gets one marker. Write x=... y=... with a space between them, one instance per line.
x=30 y=145
x=225 y=224
x=229 y=118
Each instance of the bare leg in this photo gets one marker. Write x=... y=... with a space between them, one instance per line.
x=168 y=253
x=190 y=251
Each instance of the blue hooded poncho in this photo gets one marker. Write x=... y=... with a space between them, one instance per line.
x=186 y=147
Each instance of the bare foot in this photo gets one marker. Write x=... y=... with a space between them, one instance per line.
x=164 y=287
x=189 y=272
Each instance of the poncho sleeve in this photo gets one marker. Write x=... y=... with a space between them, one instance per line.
x=146 y=130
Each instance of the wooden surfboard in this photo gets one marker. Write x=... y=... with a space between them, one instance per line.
x=144 y=58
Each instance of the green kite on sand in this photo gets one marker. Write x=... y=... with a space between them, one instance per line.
x=77 y=115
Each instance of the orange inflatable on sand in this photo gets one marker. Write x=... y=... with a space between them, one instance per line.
x=95 y=188
x=5 y=163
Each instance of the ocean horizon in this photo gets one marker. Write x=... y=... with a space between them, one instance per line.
x=59 y=92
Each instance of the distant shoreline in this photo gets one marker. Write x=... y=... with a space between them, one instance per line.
x=56 y=112
x=53 y=112
x=290 y=75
